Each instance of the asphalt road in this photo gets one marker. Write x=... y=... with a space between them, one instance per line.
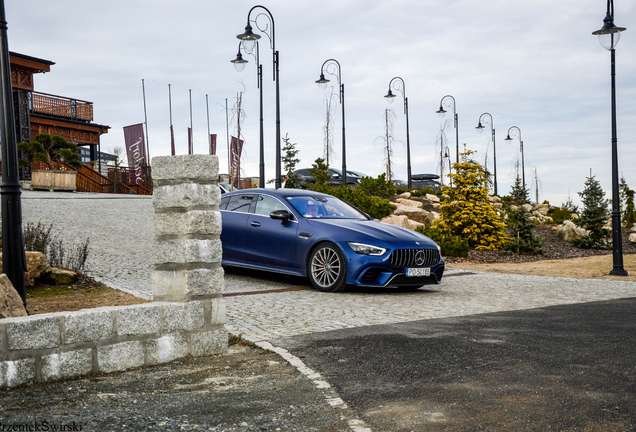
x=562 y=368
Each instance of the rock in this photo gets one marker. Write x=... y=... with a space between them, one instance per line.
x=527 y=207
x=632 y=237
x=432 y=198
x=408 y=202
x=10 y=301
x=414 y=214
x=405 y=195
x=402 y=221
x=543 y=209
x=37 y=266
x=62 y=277
x=494 y=199
x=633 y=229
x=569 y=231
x=497 y=205
x=513 y=207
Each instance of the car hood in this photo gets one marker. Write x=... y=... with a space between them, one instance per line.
x=371 y=230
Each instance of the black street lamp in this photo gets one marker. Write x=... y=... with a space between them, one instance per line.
x=480 y=128
x=523 y=170
x=249 y=39
x=13 y=256
x=239 y=65
x=441 y=113
x=322 y=83
x=401 y=87
x=609 y=36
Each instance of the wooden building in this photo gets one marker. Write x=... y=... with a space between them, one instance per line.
x=37 y=112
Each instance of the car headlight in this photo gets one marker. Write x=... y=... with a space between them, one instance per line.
x=365 y=249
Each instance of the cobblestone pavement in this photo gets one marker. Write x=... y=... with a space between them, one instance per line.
x=262 y=306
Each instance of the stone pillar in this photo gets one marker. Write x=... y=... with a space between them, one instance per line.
x=187 y=230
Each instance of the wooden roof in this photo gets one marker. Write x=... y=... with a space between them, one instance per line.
x=32 y=64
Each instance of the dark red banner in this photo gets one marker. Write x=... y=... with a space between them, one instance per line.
x=212 y=144
x=189 y=140
x=172 y=140
x=136 y=152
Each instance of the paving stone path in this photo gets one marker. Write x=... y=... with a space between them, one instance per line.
x=260 y=308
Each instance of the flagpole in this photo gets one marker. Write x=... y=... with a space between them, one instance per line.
x=191 y=143
x=171 y=131
x=227 y=129
x=143 y=89
x=207 y=109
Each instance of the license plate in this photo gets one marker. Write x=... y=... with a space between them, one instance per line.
x=414 y=272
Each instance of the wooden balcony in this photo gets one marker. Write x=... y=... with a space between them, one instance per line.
x=74 y=109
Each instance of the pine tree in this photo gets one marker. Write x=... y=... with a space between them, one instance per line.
x=468 y=213
x=593 y=217
x=523 y=240
x=320 y=172
x=289 y=164
x=518 y=194
x=629 y=217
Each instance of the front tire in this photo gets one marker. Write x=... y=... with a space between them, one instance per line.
x=327 y=268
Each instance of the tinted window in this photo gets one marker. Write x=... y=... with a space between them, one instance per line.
x=327 y=207
x=240 y=203
x=224 y=202
x=266 y=204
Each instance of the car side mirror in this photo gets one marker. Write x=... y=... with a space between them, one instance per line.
x=282 y=215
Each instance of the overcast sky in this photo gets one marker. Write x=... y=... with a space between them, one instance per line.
x=531 y=64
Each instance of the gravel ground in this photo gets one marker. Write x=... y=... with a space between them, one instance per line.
x=553 y=246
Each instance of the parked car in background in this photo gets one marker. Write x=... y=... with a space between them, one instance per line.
x=225 y=188
x=323 y=238
x=421 y=181
x=334 y=180
x=400 y=184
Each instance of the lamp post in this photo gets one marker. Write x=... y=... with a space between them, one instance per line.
x=401 y=87
x=13 y=256
x=480 y=128
x=608 y=36
x=249 y=38
x=523 y=170
x=442 y=111
x=239 y=65
x=322 y=83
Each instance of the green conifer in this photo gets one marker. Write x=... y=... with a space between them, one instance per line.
x=593 y=217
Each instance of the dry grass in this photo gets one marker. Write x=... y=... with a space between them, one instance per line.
x=594 y=267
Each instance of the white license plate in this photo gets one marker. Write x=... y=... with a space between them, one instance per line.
x=414 y=272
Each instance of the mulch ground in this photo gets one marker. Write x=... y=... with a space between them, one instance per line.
x=554 y=248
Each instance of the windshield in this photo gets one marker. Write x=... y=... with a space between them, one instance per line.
x=326 y=207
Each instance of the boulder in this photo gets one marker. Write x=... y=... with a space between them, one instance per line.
x=402 y=221
x=432 y=198
x=62 y=277
x=632 y=237
x=406 y=195
x=569 y=231
x=497 y=205
x=633 y=228
x=408 y=202
x=10 y=301
x=37 y=266
x=494 y=199
x=543 y=209
x=528 y=207
x=414 y=214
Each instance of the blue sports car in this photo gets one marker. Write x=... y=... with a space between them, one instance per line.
x=321 y=237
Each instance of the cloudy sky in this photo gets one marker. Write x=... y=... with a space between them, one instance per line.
x=531 y=64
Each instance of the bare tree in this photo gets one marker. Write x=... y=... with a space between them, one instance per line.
x=387 y=142
x=328 y=128
x=441 y=146
x=238 y=114
x=536 y=184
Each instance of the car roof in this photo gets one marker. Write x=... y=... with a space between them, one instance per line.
x=282 y=192
x=424 y=176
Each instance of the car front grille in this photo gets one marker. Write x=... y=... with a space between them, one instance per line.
x=414 y=257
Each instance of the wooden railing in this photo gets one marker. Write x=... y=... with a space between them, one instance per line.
x=75 y=109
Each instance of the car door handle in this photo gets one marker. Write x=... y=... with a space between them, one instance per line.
x=305 y=235
x=255 y=224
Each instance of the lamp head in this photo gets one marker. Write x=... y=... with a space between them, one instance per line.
x=441 y=111
x=322 y=82
x=249 y=38
x=239 y=62
x=609 y=34
x=480 y=127
x=390 y=97
x=508 y=139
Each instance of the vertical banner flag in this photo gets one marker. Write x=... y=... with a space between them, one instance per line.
x=172 y=140
x=236 y=146
x=136 y=151
x=212 y=144
x=189 y=140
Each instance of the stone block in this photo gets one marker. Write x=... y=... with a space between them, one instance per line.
x=17 y=372
x=138 y=319
x=187 y=282
x=200 y=168
x=11 y=305
x=185 y=195
x=409 y=202
x=117 y=357
x=194 y=222
x=217 y=311
x=188 y=251
x=88 y=325
x=33 y=332
x=167 y=348
x=208 y=342
x=66 y=365
x=183 y=316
